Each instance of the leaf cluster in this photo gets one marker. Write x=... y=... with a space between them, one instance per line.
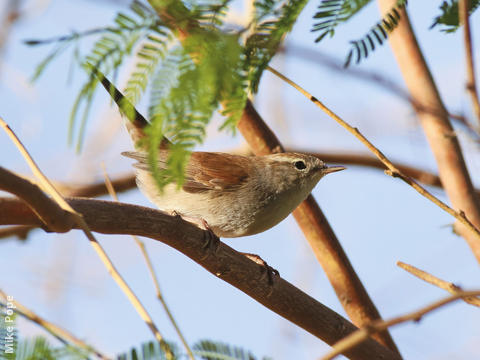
x=332 y=13
x=448 y=20
x=188 y=78
x=39 y=348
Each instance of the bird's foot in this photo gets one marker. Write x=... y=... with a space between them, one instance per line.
x=211 y=240
x=270 y=271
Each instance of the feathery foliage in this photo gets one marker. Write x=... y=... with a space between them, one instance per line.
x=272 y=21
x=360 y=49
x=448 y=19
x=204 y=349
x=209 y=350
x=333 y=13
x=39 y=348
x=149 y=351
x=109 y=52
x=189 y=77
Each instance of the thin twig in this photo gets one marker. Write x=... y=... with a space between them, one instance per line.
x=442 y=284
x=471 y=86
x=50 y=189
x=61 y=334
x=365 y=332
x=141 y=245
x=392 y=170
x=317 y=57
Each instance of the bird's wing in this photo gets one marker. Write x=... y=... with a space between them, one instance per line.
x=205 y=171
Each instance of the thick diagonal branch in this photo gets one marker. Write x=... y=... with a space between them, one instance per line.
x=227 y=264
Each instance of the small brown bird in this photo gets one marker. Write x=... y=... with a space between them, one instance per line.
x=235 y=195
x=231 y=195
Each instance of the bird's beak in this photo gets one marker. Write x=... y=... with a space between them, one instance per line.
x=332 y=169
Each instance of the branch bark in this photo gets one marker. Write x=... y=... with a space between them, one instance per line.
x=471 y=85
x=438 y=130
x=227 y=264
x=354 y=339
x=53 y=217
x=442 y=284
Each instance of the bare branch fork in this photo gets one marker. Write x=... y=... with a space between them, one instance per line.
x=362 y=334
x=442 y=284
x=70 y=217
x=437 y=127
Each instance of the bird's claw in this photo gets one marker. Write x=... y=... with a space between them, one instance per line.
x=270 y=271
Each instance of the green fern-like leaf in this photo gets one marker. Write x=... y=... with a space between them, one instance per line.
x=210 y=350
x=188 y=80
x=448 y=19
x=39 y=348
x=35 y=349
x=151 y=52
x=149 y=351
x=273 y=20
x=360 y=49
x=186 y=91
x=210 y=13
x=109 y=52
x=333 y=13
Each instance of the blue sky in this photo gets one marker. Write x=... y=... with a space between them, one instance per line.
x=378 y=220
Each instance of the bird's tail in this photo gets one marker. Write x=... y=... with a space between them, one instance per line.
x=136 y=123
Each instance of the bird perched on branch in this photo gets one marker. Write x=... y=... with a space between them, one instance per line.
x=231 y=195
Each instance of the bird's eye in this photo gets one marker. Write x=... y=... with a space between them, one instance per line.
x=300 y=165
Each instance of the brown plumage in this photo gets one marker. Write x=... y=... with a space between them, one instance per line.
x=236 y=195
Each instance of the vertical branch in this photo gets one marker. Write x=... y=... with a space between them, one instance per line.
x=436 y=125
x=471 y=86
x=320 y=235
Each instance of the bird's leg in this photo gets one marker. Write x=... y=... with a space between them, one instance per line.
x=270 y=271
x=211 y=240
